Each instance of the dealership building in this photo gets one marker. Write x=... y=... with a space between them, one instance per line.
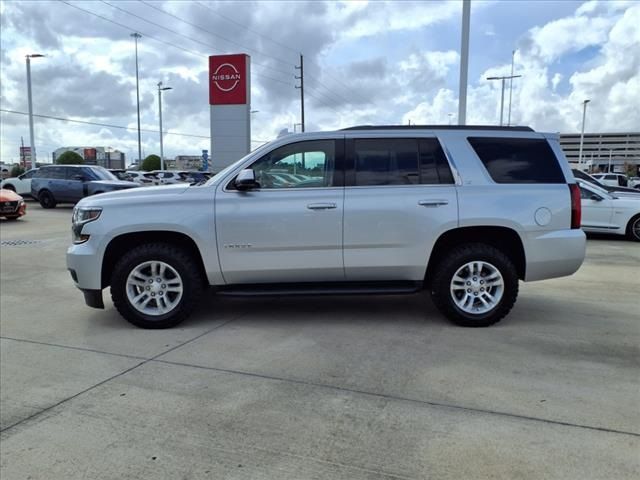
x=106 y=157
x=600 y=148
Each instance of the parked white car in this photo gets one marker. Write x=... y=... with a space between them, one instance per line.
x=169 y=177
x=606 y=213
x=143 y=178
x=21 y=184
x=616 y=180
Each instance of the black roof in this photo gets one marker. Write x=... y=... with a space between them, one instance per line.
x=440 y=127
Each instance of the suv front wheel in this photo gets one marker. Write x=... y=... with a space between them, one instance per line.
x=156 y=285
x=475 y=285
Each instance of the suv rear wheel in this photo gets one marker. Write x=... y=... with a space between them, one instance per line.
x=46 y=199
x=475 y=285
x=156 y=285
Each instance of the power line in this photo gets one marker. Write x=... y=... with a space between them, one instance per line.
x=86 y=122
x=146 y=35
x=346 y=87
x=229 y=19
x=131 y=29
x=215 y=34
x=208 y=45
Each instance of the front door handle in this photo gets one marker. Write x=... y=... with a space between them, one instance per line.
x=433 y=203
x=321 y=206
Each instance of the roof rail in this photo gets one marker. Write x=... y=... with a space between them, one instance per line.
x=439 y=127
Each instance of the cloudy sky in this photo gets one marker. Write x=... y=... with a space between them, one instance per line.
x=365 y=63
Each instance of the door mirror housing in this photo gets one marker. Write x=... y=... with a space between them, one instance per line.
x=246 y=180
x=595 y=197
x=78 y=177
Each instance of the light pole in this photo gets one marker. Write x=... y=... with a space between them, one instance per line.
x=160 y=90
x=506 y=77
x=513 y=56
x=32 y=146
x=136 y=36
x=464 y=62
x=610 y=153
x=584 y=114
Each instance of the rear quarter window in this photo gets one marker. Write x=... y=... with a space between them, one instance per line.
x=518 y=160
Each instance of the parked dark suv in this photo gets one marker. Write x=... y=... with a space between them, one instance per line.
x=70 y=183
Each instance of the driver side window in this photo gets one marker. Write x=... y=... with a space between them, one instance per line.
x=299 y=165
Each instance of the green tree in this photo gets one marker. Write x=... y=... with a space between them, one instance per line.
x=17 y=170
x=69 y=158
x=152 y=162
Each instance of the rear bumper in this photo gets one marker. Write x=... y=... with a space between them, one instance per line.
x=554 y=254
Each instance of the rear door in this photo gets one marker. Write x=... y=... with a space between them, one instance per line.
x=399 y=197
x=56 y=182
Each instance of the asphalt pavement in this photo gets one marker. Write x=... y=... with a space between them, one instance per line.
x=350 y=387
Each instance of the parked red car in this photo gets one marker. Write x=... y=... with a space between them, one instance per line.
x=12 y=205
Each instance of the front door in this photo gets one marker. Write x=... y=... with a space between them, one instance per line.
x=597 y=210
x=289 y=229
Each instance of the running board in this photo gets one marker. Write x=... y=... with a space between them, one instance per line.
x=328 y=288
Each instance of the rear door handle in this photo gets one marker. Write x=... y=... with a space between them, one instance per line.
x=321 y=206
x=433 y=203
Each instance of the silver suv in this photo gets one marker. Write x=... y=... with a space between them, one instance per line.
x=464 y=212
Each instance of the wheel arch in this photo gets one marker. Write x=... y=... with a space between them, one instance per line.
x=504 y=239
x=123 y=242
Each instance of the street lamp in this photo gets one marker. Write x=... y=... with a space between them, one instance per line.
x=136 y=36
x=160 y=90
x=584 y=114
x=503 y=78
x=33 y=145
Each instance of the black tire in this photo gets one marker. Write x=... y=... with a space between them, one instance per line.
x=46 y=199
x=454 y=260
x=180 y=260
x=8 y=186
x=632 y=229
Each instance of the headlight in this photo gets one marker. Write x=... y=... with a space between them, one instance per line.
x=82 y=216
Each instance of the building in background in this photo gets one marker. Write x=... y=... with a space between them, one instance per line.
x=184 y=162
x=598 y=148
x=107 y=157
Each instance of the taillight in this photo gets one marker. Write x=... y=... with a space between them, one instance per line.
x=576 y=206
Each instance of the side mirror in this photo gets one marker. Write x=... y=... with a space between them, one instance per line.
x=596 y=198
x=78 y=177
x=246 y=180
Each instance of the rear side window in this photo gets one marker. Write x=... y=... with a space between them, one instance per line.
x=400 y=161
x=518 y=160
x=51 y=172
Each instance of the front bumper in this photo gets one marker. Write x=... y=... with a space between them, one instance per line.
x=85 y=266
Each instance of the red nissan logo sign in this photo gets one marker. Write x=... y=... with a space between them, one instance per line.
x=228 y=79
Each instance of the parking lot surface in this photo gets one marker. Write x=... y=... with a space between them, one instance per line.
x=317 y=387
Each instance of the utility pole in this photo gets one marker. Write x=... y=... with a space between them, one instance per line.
x=506 y=77
x=136 y=36
x=464 y=62
x=301 y=87
x=584 y=115
x=32 y=145
x=513 y=55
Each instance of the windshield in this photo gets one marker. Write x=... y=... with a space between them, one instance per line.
x=103 y=174
x=226 y=170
